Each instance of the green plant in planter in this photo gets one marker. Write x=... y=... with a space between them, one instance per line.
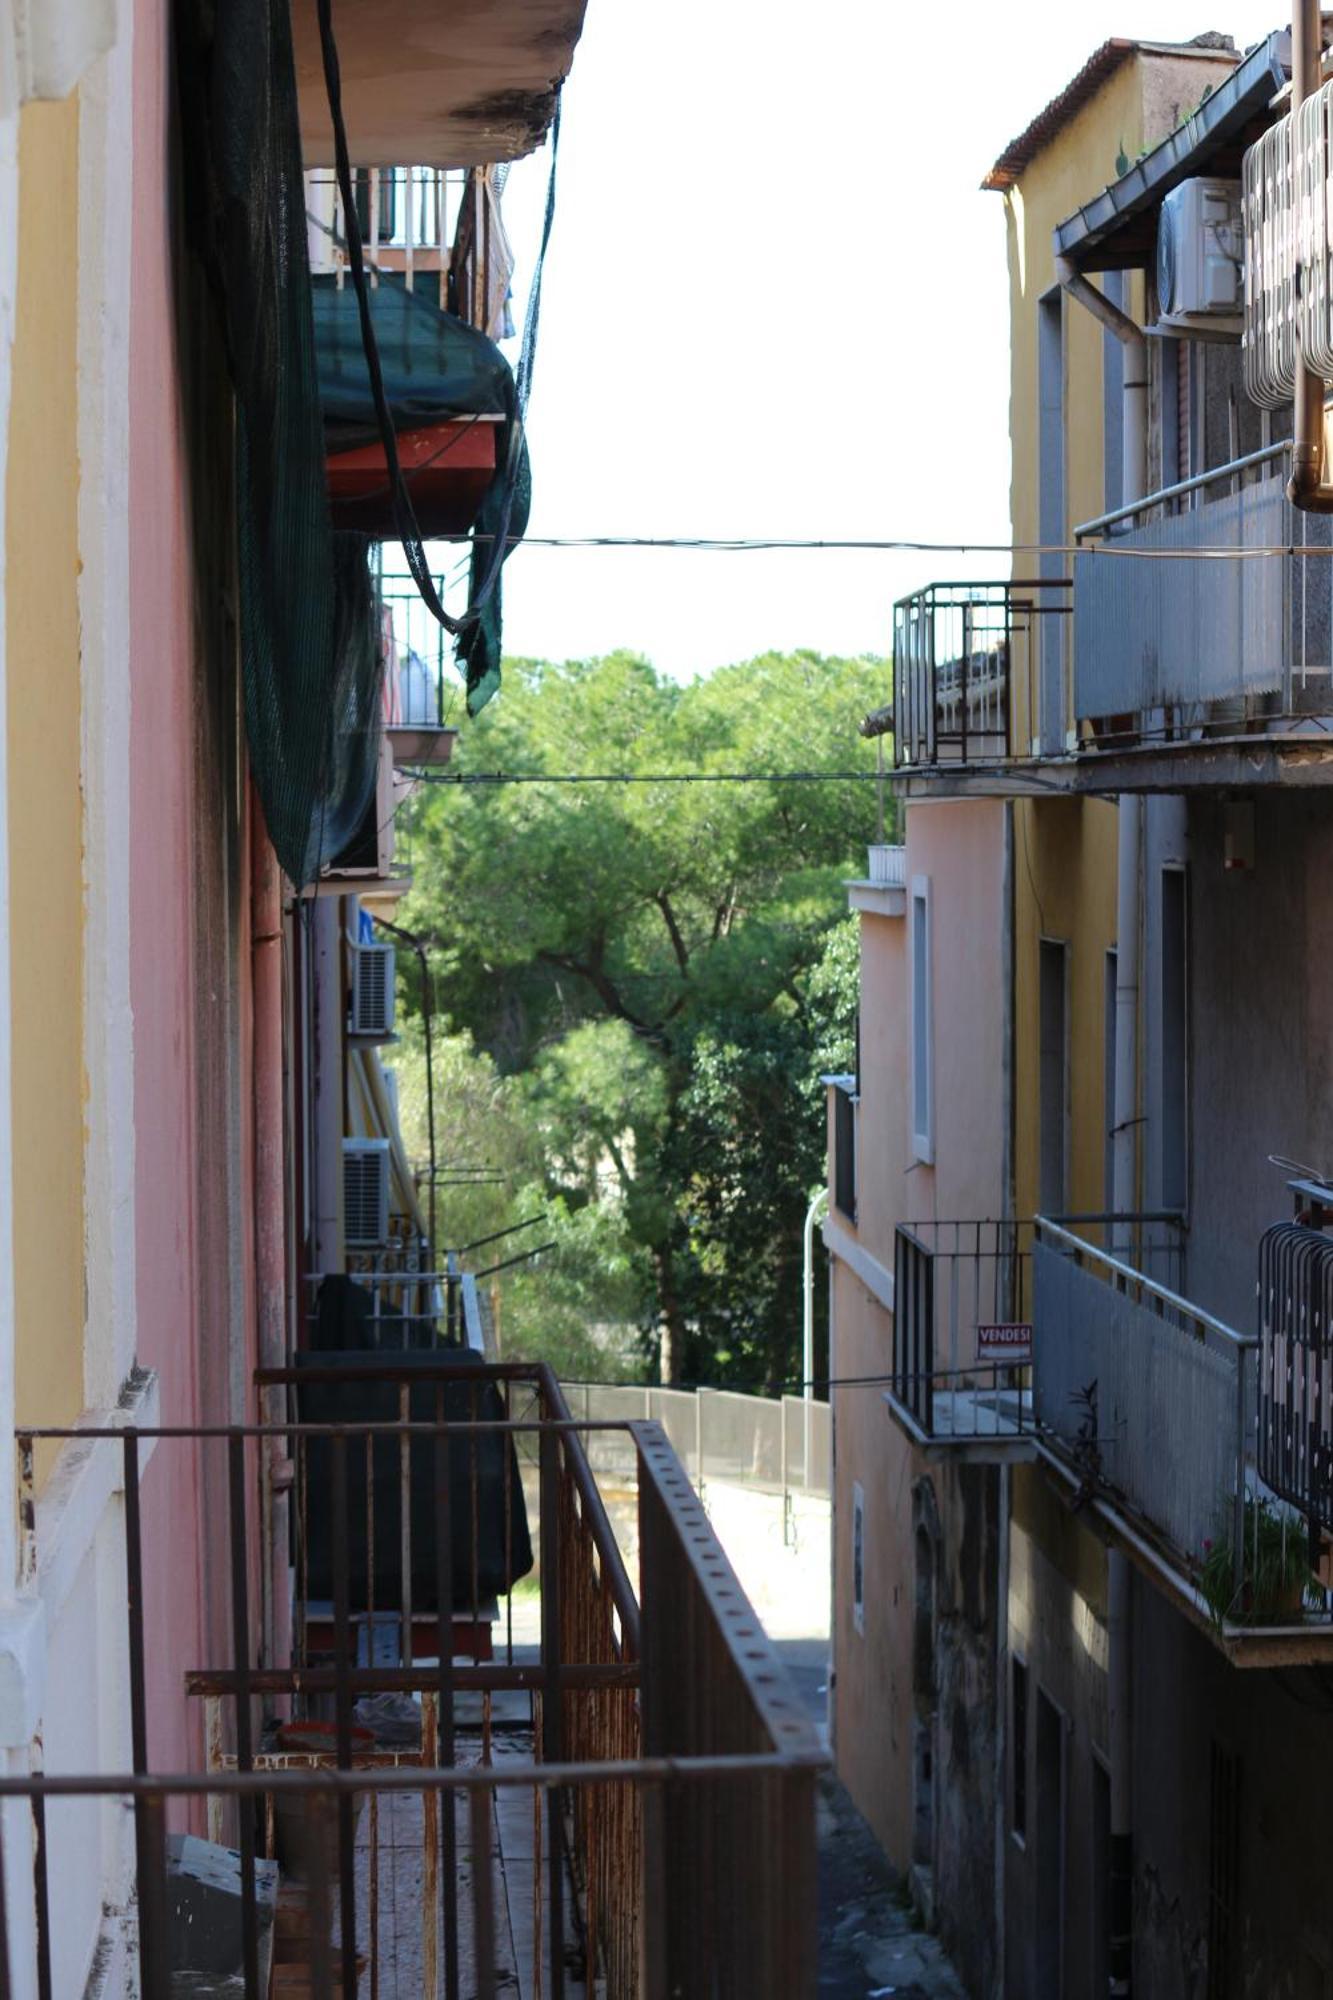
x=1275 y=1571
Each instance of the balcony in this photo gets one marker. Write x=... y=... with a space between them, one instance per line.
x=1193 y=665
x=612 y=1795
x=959 y=1291
x=962 y=1382
x=447 y=91
x=1146 y=1407
x=977 y=683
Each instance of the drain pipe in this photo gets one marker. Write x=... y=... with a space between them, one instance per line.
x=1124 y=1154
x=1134 y=386
x=1307 y=488
x=1129 y=811
x=1119 y=1583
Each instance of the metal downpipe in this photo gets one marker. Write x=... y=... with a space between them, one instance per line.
x=1120 y=1644
x=1306 y=487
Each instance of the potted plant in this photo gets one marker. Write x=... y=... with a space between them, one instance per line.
x=1275 y=1567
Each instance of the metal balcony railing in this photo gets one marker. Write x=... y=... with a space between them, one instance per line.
x=771 y=1444
x=963 y=1334
x=421 y=684
x=1171 y=645
x=622 y=1801
x=971 y=668
x=430 y=227
x=1146 y=1397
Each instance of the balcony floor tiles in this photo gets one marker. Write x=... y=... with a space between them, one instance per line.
x=389 y=1850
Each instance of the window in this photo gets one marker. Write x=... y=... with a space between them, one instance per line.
x=1054 y=1075
x=923 y=1105
x=1175 y=1042
x=1108 y=1084
x=858 y=1558
x=1018 y=1748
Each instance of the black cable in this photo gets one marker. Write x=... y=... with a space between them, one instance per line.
x=903 y=545
x=642 y=778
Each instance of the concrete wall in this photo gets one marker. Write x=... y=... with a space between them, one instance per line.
x=1261 y=1033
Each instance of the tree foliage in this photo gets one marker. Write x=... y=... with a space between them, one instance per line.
x=656 y=972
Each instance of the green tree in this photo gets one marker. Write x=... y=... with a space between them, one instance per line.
x=651 y=957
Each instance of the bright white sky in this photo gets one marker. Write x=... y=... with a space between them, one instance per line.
x=775 y=304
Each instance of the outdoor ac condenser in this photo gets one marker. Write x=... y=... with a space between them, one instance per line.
x=1201 y=258
x=370 y=1017
x=365 y=1193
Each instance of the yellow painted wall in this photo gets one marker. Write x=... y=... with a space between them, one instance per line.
x=45 y=803
x=1065 y=849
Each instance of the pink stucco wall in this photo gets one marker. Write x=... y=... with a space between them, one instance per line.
x=161 y=643
x=189 y=928
x=958 y=847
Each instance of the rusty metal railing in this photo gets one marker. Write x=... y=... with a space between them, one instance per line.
x=619 y=1800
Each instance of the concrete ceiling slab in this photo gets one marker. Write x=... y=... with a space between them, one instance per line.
x=436 y=83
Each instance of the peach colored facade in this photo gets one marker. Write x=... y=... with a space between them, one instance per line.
x=956 y=859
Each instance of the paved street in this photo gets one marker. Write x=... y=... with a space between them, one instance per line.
x=870 y=1943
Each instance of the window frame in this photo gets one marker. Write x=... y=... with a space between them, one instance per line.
x=922 y=990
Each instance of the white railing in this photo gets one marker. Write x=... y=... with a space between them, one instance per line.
x=888 y=867
x=778 y=1444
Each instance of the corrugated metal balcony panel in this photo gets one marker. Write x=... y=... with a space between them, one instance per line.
x=1164 y=1430
x=1151 y=632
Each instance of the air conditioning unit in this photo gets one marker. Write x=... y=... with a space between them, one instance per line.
x=365 y=1193
x=370 y=1017
x=1201 y=258
x=369 y=852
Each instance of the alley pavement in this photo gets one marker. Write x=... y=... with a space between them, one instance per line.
x=871 y=1944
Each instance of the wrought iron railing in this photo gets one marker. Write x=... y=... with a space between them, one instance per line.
x=622 y=1798
x=1295 y=1411
x=977 y=671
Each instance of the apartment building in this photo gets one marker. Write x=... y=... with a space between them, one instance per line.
x=209 y=697
x=1081 y=1626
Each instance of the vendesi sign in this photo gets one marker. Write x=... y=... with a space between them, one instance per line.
x=1005 y=1340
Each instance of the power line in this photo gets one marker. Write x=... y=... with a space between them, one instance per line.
x=647 y=777
x=901 y=545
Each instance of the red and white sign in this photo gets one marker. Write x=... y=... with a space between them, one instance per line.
x=1005 y=1340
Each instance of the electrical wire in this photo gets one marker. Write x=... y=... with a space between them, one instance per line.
x=903 y=545
x=642 y=777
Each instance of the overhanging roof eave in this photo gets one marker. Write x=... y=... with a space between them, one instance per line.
x=1088 y=238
